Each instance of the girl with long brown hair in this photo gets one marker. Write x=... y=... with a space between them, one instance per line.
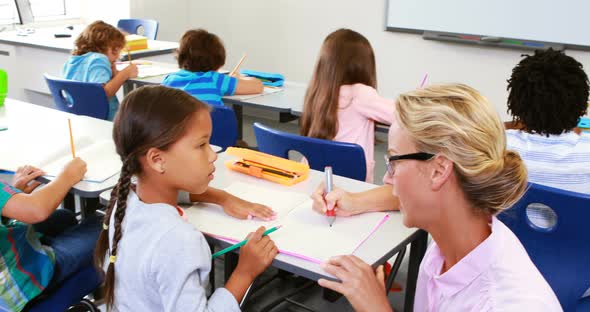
x=341 y=102
x=154 y=259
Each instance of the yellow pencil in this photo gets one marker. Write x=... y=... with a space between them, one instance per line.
x=237 y=66
x=129 y=55
x=71 y=139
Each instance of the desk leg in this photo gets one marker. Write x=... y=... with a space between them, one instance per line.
x=239 y=111
x=229 y=265
x=417 y=250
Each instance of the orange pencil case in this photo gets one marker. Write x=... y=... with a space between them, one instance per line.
x=266 y=166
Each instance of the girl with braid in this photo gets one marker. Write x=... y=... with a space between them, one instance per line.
x=154 y=259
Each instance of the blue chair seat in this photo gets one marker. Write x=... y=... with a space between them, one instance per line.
x=133 y=25
x=80 y=98
x=560 y=248
x=346 y=159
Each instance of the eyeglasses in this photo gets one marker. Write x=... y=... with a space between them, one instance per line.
x=389 y=160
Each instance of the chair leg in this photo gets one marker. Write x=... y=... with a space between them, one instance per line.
x=417 y=251
x=396 y=264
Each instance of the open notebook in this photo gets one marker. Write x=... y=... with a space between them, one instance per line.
x=305 y=233
x=100 y=156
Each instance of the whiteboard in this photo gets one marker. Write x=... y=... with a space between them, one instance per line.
x=565 y=22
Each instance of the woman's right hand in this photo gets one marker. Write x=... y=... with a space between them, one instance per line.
x=257 y=254
x=338 y=199
x=74 y=170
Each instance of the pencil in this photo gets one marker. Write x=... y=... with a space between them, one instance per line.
x=424 y=81
x=242 y=243
x=71 y=139
x=231 y=73
x=129 y=55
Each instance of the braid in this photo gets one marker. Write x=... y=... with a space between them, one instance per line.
x=118 y=196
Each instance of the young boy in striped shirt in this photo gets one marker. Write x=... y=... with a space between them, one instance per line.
x=200 y=55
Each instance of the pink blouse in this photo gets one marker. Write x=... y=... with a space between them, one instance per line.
x=497 y=275
x=359 y=108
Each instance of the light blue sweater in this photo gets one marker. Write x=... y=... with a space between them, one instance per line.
x=163 y=263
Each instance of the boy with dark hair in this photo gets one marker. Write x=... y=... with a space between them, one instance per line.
x=548 y=93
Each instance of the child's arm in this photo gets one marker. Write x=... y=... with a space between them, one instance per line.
x=233 y=205
x=111 y=87
x=248 y=85
x=255 y=257
x=39 y=205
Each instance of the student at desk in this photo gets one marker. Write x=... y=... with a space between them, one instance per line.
x=93 y=60
x=200 y=55
x=452 y=174
x=154 y=259
x=40 y=246
x=341 y=102
x=548 y=93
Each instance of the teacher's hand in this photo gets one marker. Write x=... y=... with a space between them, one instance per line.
x=364 y=289
x=343 y=202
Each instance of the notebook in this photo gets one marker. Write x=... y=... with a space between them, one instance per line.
x=305 y=233
x=266 y=91
x=148 y=69
x=100 y=156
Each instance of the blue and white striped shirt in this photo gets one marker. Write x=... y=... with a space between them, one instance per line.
x=560 y=161
x=208 y=87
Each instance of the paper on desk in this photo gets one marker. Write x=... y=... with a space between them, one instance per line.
x=266 y=91
x=211 y=219
x=148 y=69
x=305 y=233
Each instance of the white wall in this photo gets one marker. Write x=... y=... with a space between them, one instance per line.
x=285 y=37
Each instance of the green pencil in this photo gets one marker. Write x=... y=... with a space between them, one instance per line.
x=242 y=243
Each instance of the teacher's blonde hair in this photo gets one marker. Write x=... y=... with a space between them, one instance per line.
x=456 y=121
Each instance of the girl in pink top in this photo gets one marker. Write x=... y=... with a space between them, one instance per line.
x=452 y=174
x=341 y=102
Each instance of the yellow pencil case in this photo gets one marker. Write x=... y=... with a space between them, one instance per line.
x=266 y=166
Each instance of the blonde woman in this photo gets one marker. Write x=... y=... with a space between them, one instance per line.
x=451 y=174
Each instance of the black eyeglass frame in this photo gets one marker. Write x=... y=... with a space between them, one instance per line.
x=413 y=156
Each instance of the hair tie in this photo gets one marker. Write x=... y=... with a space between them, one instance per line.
x=112 y=259
x=105 y=226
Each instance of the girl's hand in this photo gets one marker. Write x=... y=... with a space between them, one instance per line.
x=73 y=171
x=131 y=71
x=256 y=255
x=24 y=178
x=243 y=209
x=364 y=289
x=338 y=199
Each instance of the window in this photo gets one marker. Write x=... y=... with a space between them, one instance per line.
x=43 y=10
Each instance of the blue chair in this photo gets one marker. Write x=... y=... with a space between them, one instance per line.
x=133 y=25
x=346 y=159
x=225 y=127
x=560 y=250
x=70 y=293
x=80 y=98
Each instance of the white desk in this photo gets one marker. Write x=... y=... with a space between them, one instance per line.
x=384 y=243
x=26 y=58
x=38 y=127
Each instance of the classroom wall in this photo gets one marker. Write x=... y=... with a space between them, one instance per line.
x=285 y=36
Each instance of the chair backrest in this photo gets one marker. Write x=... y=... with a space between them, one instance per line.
x=560 y=245
x=346 y=159
x=225 y=127
x=70 y=291
x=80 y=98
x=133 y=25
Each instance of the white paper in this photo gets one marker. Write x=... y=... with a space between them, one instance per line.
x=304 y=231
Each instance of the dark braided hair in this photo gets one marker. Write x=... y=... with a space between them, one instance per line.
x=149 y=117
x=548 y=92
